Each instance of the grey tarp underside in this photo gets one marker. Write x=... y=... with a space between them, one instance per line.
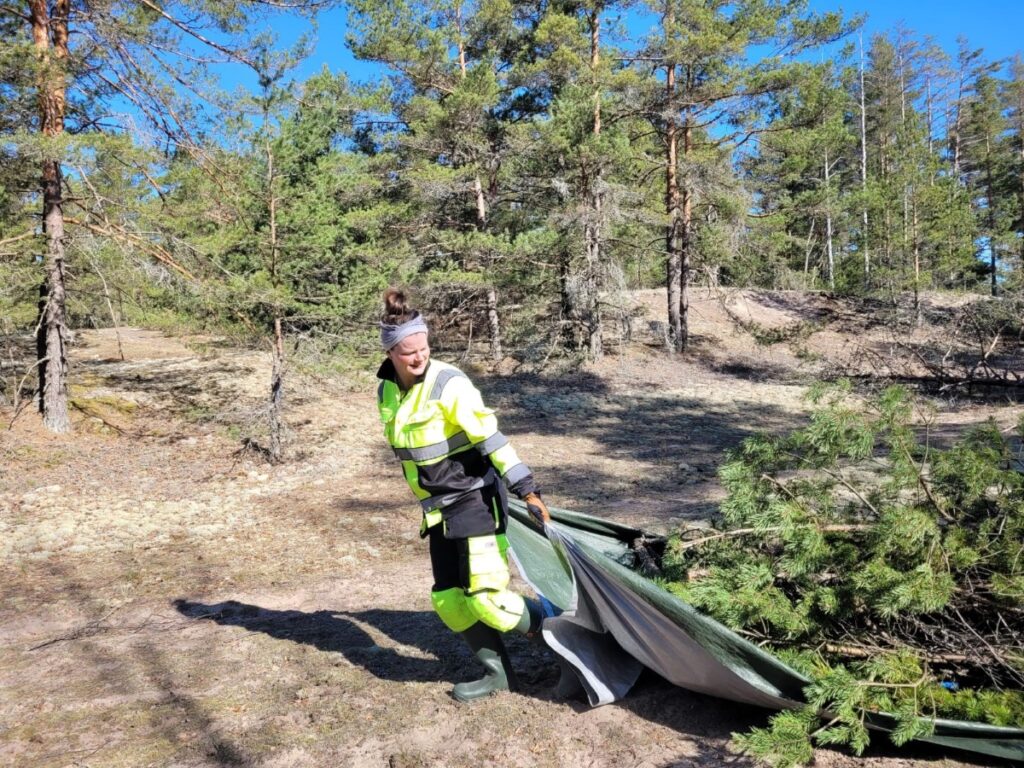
x=614 y=622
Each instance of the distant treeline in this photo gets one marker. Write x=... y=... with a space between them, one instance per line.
x=520 y=165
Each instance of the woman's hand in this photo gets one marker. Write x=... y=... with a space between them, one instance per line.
x=537 y=508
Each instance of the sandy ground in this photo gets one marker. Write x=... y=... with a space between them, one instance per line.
x=169 y=600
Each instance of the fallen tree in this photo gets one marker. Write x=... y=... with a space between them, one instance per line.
x=887 y=571
x=976 y=350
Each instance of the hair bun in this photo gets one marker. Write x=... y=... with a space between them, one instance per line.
x=396 y=308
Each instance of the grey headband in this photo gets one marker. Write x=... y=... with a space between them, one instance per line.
x=392 y=334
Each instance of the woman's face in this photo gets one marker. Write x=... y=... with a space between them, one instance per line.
x=410 y=357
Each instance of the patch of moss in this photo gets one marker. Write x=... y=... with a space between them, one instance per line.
x=96 y=404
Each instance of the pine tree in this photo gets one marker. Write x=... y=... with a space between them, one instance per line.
x=80 y=57
x=802 y=177
x=19 y=173
x=1013 y=100
x=294 y=223
x=709 y=101
x=579 y=154
x=983 y=168
x=451 y=98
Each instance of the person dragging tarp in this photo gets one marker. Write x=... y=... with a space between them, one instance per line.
x=458 y=465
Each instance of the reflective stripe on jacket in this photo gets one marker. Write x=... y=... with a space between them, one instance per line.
x=446 y=438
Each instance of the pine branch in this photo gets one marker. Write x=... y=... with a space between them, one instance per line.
x=231 y=53
x=16 y=238
x=838 y=475
x=153 y=250
x=845 y=528
x=939 y=507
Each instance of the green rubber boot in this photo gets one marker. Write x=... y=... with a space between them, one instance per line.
x=487 y=646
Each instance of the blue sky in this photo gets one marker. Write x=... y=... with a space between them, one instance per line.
x=996 y=26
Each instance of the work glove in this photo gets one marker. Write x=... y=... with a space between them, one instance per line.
x=537 y=508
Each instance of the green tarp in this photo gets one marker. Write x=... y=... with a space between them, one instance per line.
x=611 y=622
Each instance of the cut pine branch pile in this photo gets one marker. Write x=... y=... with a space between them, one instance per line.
x=889 y=572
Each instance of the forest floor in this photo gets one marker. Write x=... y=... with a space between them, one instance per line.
x=167 y=599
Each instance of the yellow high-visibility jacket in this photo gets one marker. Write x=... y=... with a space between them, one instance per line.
x=451 y=450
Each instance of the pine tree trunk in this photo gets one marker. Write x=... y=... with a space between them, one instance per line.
x=481 y=202
x=904 y=257
x=497 y=354
x=673 y=277
x=1020 y=212
x=272 y=208
x=593 y=230
x=887 y=241
x=592 y=244
x=684 y=249
x=276 y=393
x=110 y=307
x=918 y=312
x=568 y=304
x=990 y=195
x=901 y=164
x=493 y=317
x=807 y=252
x=955 y=143
x=828 y=228
x=864 y=172
x=50 y=39
x=1018 y=135
x=930 y=116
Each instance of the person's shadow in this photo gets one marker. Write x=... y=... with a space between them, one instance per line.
x=431 y=652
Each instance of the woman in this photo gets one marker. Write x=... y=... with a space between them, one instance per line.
x=458 y=465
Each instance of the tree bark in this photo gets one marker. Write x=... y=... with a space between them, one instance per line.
x=918 y=312
x=493 y=317
x=807 y=251
x=272 y=208
x=276 y=394
x=593 y=233
x=991 y=204
x=1021 y=211
x=1019 y=127
x=494 y=325
x=828 y=227
x=569 y=316
x=673 y=248
x=673 y=208
x=954 y=139
x=110 y=307
x=930 y=117
x=901 y=164
x=864 y=172
x=50 y=38
x=684 y=247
